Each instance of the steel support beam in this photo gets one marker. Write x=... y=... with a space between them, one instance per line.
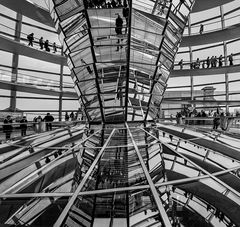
x=128 y=58
x=153 y=189
x=157 y=61
x=225 y=58
x=80 y=186
x=15 y=59
x=113 y=190
x=195 y=165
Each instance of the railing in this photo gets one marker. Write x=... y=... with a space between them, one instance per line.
x=217 y=25
x=26 y=79
x=33 y=128
x=202 y=64
x=10 y=33
x=230 y=122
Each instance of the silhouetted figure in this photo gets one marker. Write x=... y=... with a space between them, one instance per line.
x=46 y=46
x=113 y=3
x=41 y=43
x=71 y=116
x=54 y=47
x=118 y=29
x=7 y=127
x=37 y=125
x=220 y=59
x=223 y=121
x=87 y=67
x=66 y=116
x=203 y=64
x=48 y=119
x=212 y=61
x=197 y=65
x=208 y=62
x=181 y=64
x=30 y=38
x=119 y=3
x=230 y=58
x=216 y=120
x=201 y=29
x=215 y=61
x=23 y=126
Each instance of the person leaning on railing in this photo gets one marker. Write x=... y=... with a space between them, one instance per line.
x=7 y=127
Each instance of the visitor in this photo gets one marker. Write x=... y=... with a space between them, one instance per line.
x=87 y=67
x=48 y=119
x=23 y=126
x=220 y=59
x=197 y=64
x=113 y=3
x=230 y=58
x=38 y=125
x=66 y=116
x=7 y=127
x=118 y=29
x=46 y=46
x=54 y=47
x=181 y=64
x=223 y=121
x=212 y=61
x=201 y=29
x=41 y=43
x=30 y=38
x=71 y=116
x=208 y=62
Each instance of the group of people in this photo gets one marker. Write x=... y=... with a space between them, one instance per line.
x=48 y=119
x=8 y=124
x=219 y=118
x=71 y=116
x=212 y=62
x=43 y=44
x=106 y=3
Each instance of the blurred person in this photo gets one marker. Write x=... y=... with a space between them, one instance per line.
x=37 y=124
x=23 y=126
x=220 y=59
x=197 y=64
x=30 y=38
x=181 y=64
x=201 y=29
x=208 y=62
x=215 y=61
x=71 y=116
x=66 y=116
x=54 y=47
x=87 y=67
x=114 y=4
x=230 y=58
x=41 y=43
x=7 y=127
x=48 y=119
x=46 y=45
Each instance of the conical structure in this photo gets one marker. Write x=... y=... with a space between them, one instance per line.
x=120 y=53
